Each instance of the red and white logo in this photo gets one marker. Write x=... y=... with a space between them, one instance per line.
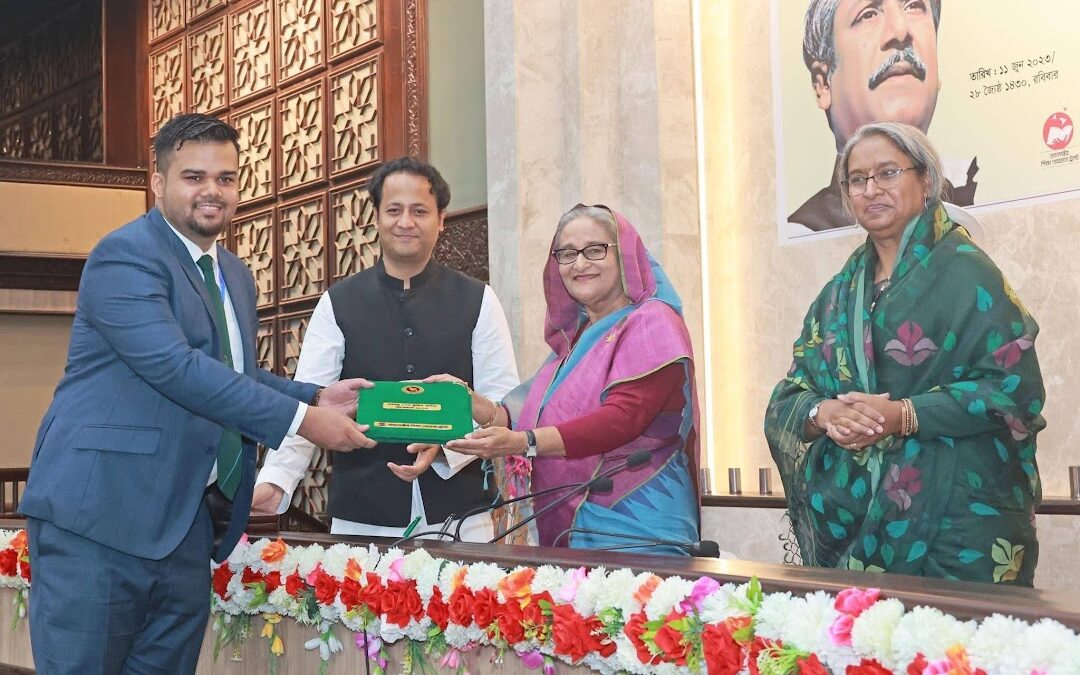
x=1058 y=131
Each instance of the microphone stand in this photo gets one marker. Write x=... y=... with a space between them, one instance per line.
x=644 y=542
x=631 y=460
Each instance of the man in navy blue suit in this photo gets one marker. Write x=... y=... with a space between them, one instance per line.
x=144 y=464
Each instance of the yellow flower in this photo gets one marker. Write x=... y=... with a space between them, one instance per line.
x=277 y=648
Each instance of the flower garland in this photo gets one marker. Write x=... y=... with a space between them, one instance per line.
x=610 y=621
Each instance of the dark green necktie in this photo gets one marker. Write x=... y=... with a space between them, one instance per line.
x=228 y=461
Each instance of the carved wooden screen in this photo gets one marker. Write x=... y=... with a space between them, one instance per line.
x=50 y=88
x=322 y=92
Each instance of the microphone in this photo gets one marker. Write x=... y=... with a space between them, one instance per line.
x=635 y=459
x=444 y=531
x=706 y=548
x=601 y=483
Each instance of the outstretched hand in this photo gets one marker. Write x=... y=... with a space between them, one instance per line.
x=491 y=442
x=425 y=455
x=342 y=395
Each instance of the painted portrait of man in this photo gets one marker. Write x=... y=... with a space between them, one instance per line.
x=873 y=61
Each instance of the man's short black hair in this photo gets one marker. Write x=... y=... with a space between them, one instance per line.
x=190 y=127
x=439 y=188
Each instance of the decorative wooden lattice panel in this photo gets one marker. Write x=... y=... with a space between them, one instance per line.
x=50 y=88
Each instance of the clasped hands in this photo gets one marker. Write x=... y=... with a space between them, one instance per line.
x=856 y=420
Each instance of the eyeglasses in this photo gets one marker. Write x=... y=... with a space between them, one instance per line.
x=885 y=179
x=567 y=256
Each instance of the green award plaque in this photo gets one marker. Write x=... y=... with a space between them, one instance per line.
x=415 y=412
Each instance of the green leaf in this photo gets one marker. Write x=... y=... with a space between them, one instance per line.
x=842 y=473
x=994 y=340
x=917 y=550
x=1002 y=451
x=855 y=564
x=983 y=300
x=966 y=385
x=1000 y=552
x=946 y=523
x=897 y=528
x=1017 y=328
x=950 y=342
x=888 y=554
x=1018 y=495
x=948 y=441
x=973 y=479
x=845 y=516
x=980 y=509
x=858 y=488
x=912 y=447
x=966 y=248
x=869 y=543
x=1010 y=383
x=977 y=408
x=969 y=555
x=818 y=503
x=1036 y=407
x=837 y=531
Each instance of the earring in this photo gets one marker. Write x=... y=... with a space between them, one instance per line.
x=926 y=202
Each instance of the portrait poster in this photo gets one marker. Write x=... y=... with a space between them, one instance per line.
x=1007 y=90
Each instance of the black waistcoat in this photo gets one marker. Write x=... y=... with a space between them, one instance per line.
x=397 y=334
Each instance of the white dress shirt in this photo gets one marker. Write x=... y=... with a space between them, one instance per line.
x=236 y=345
x=494 y=372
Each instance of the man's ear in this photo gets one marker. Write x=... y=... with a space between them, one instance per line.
x=157 y=184
x=819 y=79
x=442 y=220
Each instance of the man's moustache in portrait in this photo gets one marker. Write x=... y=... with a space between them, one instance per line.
x=905 y=55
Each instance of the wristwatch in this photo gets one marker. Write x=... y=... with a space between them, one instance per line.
x=530 y=444
x=811 y=417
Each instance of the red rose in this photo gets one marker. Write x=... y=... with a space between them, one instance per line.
x=370 y=596
x=437 y=609
x=533 y=613
x=510 y=622
x=222 y=576
x=401 y=603
x=756 y=647
x=8 y=562
x=601 y=642
x=810 y=665
x=350 y=593
x=868 y=667
x=326 y=587
x=672 y=642
x=294 y=585
x=917 y=666
x=633 y=630
x=24 y=569
x=485 y=606
x=250 y=576
x=723 y=655
x=571 y=633
x=273 y=581
x=461 y=606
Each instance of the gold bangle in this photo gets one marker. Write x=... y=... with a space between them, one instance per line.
x=494 y=414
x=914 y=418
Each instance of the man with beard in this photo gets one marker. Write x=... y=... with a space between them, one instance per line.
x=405 y=318
x=144 y=464
x=873 y=61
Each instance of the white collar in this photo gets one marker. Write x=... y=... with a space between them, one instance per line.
x=192 y=248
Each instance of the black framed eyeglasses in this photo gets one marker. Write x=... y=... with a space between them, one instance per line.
x=567 y=256
x=885 y=179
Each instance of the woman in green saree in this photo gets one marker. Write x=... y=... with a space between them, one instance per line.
x=905 y=429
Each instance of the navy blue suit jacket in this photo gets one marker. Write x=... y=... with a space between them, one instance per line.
x=124 y=452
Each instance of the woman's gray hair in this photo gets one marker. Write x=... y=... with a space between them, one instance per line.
x=819 y=44
x=910 y=141
x=598 y=214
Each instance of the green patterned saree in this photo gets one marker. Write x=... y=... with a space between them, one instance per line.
x=957 y=499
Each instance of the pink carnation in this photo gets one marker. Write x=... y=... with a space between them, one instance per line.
x=853 y=601
x=840 y=630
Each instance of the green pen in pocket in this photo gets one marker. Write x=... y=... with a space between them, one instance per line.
x=412 y=526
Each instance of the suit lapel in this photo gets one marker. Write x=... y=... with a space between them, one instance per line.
x=191 y=271
x=234 y=272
